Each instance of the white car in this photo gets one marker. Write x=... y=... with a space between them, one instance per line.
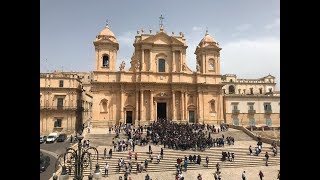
x=52 y=137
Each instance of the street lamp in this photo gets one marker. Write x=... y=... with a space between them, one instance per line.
x=77 y=161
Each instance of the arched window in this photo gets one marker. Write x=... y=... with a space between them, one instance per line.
x=105 y=61
x=231 y=89
x=231 y=80
x=104 y=105
x=162 y=65
x=211 y=65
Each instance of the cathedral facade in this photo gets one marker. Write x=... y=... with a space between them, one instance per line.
x=158 y=84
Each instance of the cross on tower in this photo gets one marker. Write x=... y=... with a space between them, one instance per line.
x=107 y=23
x=206 y=30
x=160 y=21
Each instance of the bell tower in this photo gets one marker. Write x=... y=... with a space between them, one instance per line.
x=106 y=49
x=208 y=56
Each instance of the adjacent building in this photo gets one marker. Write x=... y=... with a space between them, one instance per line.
x=251 y=102
x=64 y=105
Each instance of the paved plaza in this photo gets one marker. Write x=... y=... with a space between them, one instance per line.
x=100 y=138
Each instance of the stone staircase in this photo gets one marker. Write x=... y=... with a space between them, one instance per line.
x=242 y=159
x=100 y=124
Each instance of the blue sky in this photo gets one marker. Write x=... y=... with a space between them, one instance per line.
x=248 y=31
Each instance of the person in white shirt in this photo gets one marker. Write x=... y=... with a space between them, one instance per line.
x=244 y=175
x=106 y=169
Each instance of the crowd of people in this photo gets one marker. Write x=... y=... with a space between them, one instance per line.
x=186 y=136
x=178 y=137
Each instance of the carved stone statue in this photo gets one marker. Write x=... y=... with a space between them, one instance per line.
x=122 y=65
x=184 y=67
x=198 y=67
x=137 y=66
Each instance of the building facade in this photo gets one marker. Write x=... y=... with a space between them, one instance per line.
x=251 y=102
x=158 y=83
x=64 y=105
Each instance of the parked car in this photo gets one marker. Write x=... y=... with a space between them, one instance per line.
x=52 y=137
x=43 y=139
x=44 y=163
x=62 y=137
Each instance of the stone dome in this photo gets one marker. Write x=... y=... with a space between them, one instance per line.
x=208 y=40
x=106 y=33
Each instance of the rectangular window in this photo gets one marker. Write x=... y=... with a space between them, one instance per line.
x=58 y=123
x=235 y=107
x=251 y=107
x=60 y=102
x=267 y=106
x=162 y=65
x=61 y=83
x=251 y=90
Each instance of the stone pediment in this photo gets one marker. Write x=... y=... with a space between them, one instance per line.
x=105 y=40
x=270 y=76
x=162 y=38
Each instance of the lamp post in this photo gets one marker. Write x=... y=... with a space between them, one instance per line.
x=77 y=161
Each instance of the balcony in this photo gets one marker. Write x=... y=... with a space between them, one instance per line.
x=251 y=111
x=60 y=108
x=235 y=111
x=269 y=111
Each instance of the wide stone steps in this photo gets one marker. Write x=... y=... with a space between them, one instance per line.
x=242 y=159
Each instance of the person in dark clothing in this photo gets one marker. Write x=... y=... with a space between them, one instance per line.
x=161 y=153
x=110 y=153
x=199 y=159
x=147 y=177
x=267 y=158
x=218 y=167
x=261 y=175
x=194 y=159
x=207 y=161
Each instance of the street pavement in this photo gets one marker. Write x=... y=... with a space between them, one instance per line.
x=53 y=150
x=51 y=169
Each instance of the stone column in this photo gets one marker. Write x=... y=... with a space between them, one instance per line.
x=141 y=106
x=150 y=63
x=155 y=111
x=185 y=105
x=173 y=62
x=151 y=107
x=203 y=63
x=121 y=105
x=137 y=108
x=173 y=106
x=181 y=61
x=182 y=106
x=142 y=60
x=200 y=107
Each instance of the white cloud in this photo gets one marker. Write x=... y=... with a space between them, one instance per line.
x=274 y=24
x=243 y=27
x=196 y=28
x=252 y=58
